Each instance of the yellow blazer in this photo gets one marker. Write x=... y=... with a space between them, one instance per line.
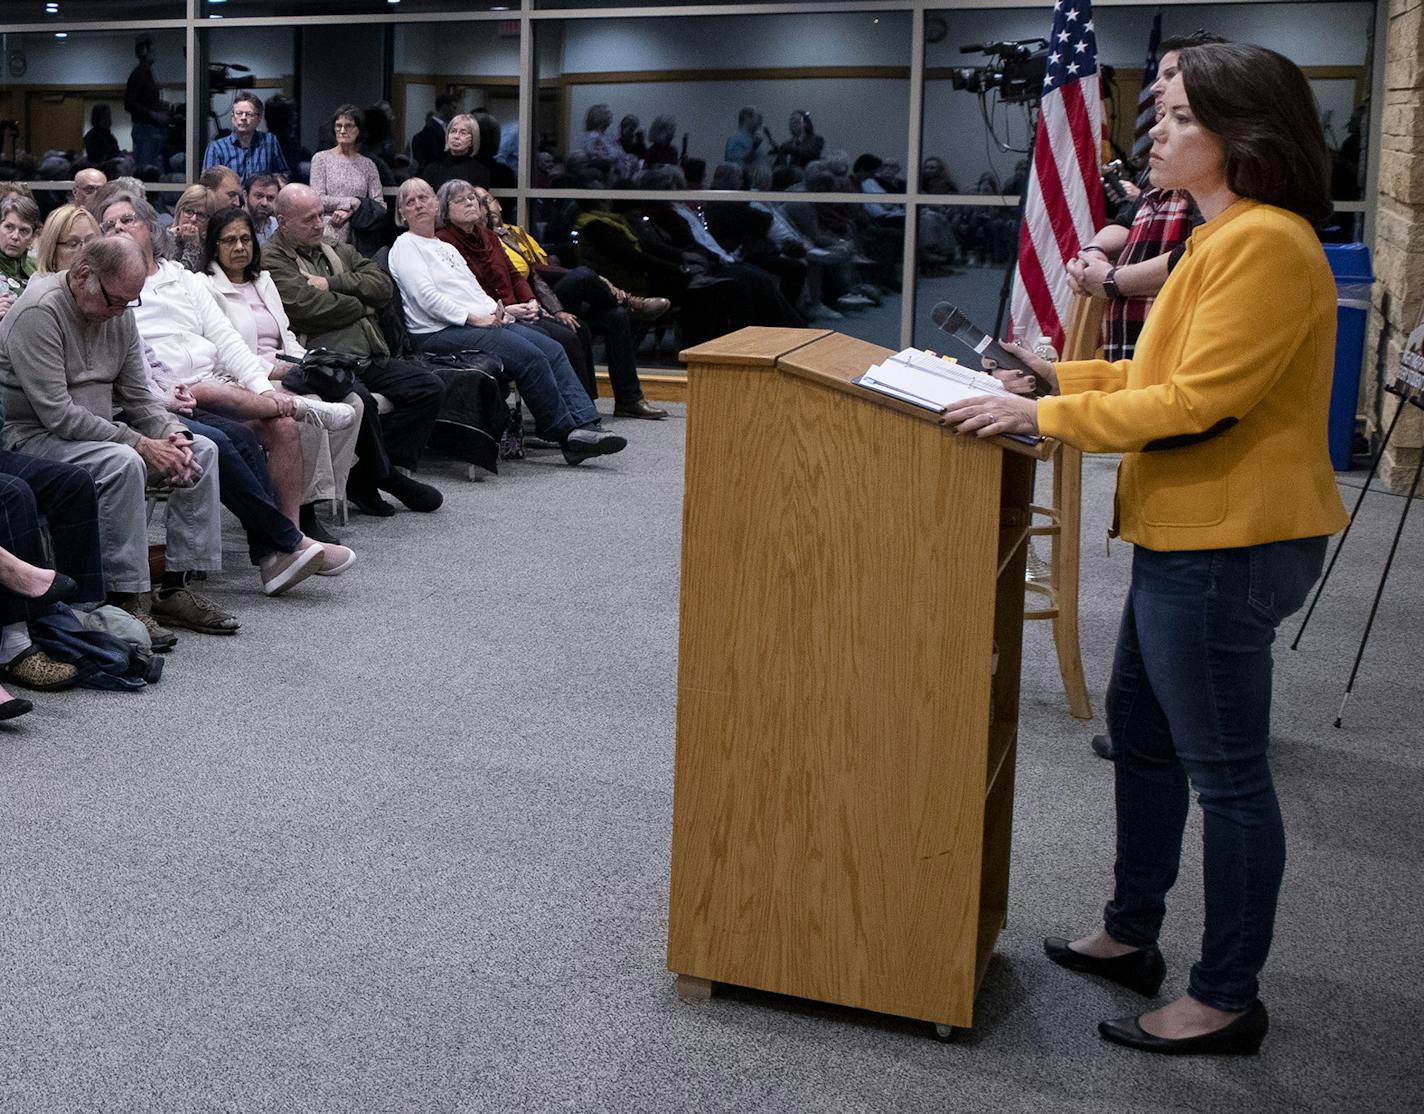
x=1240 y=344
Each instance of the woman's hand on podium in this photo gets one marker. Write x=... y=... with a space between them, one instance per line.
x=990 y=417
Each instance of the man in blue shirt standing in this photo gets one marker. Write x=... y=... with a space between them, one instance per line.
x=247 y=152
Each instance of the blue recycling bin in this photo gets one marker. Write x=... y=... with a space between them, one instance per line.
x=1353 y=278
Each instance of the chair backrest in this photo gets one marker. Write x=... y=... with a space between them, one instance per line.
x=1082 y=338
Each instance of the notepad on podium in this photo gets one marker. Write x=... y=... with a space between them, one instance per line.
x=932 y=381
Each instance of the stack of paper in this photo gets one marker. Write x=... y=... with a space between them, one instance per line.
x=927 y=380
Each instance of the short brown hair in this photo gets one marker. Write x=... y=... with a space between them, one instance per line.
x=1259 y=104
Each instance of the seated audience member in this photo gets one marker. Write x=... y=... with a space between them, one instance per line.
x=333 y=297
x=64 y=494
x=225 y=185
x=459 y=163
x=447 y=310
x=87 y=183
x=69 y=357
x=189 y=229
x=466 y=221
x=935 y=177
x=744 y=148
x=234 y=400
x=262 y=203
x=65 y=232
x=603 y=149
x=745 y=231
x=247 y=151
x=661 y=151
x=19 y=221
x=804 y=144
x=232 y=260
x=344 y=177
x=100 y=143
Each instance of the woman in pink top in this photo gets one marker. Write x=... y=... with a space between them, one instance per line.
x=344 y=177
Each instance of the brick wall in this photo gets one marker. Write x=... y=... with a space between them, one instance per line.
x=1399 y=231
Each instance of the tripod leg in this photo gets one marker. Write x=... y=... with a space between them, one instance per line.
x=1359 y=501
x=1384 y=576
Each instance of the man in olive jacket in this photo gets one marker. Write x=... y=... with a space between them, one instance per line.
x=333 y=296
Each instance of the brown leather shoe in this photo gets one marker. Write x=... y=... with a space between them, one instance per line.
x=646 y=309
x=639 y=409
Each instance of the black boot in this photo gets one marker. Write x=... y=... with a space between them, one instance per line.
x=312 y=526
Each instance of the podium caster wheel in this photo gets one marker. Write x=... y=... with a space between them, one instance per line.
x=948 y=1034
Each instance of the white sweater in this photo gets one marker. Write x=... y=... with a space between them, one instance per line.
x=437 y=287
x=180 y=319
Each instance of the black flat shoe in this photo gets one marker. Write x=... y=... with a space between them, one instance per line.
x=369 y=501
x=1241 y=1037
x=414 y=494
x=1141 y=971
x=61 y=590
x=15 y=706
x=1102 y=747
x=310 y=525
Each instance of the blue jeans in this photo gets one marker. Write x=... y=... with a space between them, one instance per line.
x=149 y=141
x=245 y=485
x=1189 y=708
x=546 y=379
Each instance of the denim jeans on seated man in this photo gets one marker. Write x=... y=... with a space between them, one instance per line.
x=538 y=365
x=245 y=485
x=1189 y=708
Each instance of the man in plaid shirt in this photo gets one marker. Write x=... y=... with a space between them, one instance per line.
x=247 y=152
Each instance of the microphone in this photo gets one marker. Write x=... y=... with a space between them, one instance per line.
x=951 y=319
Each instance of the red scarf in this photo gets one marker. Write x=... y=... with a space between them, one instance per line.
x=484 y=255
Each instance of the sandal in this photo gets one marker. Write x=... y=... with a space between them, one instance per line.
x=34 y=669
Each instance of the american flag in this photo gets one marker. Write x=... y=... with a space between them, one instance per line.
x=1063 y=207
x=1146 y=102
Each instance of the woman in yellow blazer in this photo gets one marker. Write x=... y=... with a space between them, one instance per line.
x=1226 y=491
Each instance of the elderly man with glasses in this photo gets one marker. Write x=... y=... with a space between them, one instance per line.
x=247 y=152
x=69 y=358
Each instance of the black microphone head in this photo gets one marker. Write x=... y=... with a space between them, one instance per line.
x=943 y=313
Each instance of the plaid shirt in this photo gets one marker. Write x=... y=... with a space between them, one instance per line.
x=1163 y=220
x=263 y=157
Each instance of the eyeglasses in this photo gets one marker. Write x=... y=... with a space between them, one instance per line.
x=243 y=240
x=343 y=127
x=236 y=115
x=116 y=303
x=74 y=243
x=124 y=221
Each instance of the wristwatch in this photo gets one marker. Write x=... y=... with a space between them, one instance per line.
x=1110 y=284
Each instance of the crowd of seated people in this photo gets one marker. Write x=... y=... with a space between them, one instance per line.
x=144 y=355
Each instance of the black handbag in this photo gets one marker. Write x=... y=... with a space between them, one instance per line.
x=328 y=375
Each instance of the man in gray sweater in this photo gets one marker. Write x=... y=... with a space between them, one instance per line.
x=69 y=358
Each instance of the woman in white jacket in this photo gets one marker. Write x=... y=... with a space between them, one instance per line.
x=232 y=262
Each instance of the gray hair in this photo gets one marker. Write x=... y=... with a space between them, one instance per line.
x=469 y=122
x=451 y=192
x=158 y=237
x=662 y=129
x=24 y=209
x=598 y=117
x=109 y=256
x=408 y=187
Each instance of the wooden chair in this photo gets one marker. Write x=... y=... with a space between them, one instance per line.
x=1063 y=523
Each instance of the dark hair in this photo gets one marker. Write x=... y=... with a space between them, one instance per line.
x=867 y=164
x=264 y=180
x=251 y=98
x=347 y=110
x=216 y=175
x=101 y=116
x=216 y=223
x=1259 y=104
x=1181 y=42
x=806 y=120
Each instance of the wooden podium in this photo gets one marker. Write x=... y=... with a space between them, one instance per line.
x=851 y=574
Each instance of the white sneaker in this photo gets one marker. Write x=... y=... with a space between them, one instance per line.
x=335 y=559
x=325 y=415
x=280 y=571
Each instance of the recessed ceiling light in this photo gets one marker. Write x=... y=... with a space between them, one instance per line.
x=61 y=35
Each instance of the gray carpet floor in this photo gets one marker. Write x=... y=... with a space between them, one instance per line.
x=402 y=845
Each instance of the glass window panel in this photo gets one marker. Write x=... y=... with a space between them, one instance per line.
x=847 y=71
x=476 y=65
x=57 y=87
x=234 y=9
x=1330 y=41
x=965 y=252
x=91 y=11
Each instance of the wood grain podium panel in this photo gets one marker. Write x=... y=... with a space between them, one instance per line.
x=839 y=576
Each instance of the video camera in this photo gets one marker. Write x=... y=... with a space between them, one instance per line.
x=1017 y=70
x=221 y=76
